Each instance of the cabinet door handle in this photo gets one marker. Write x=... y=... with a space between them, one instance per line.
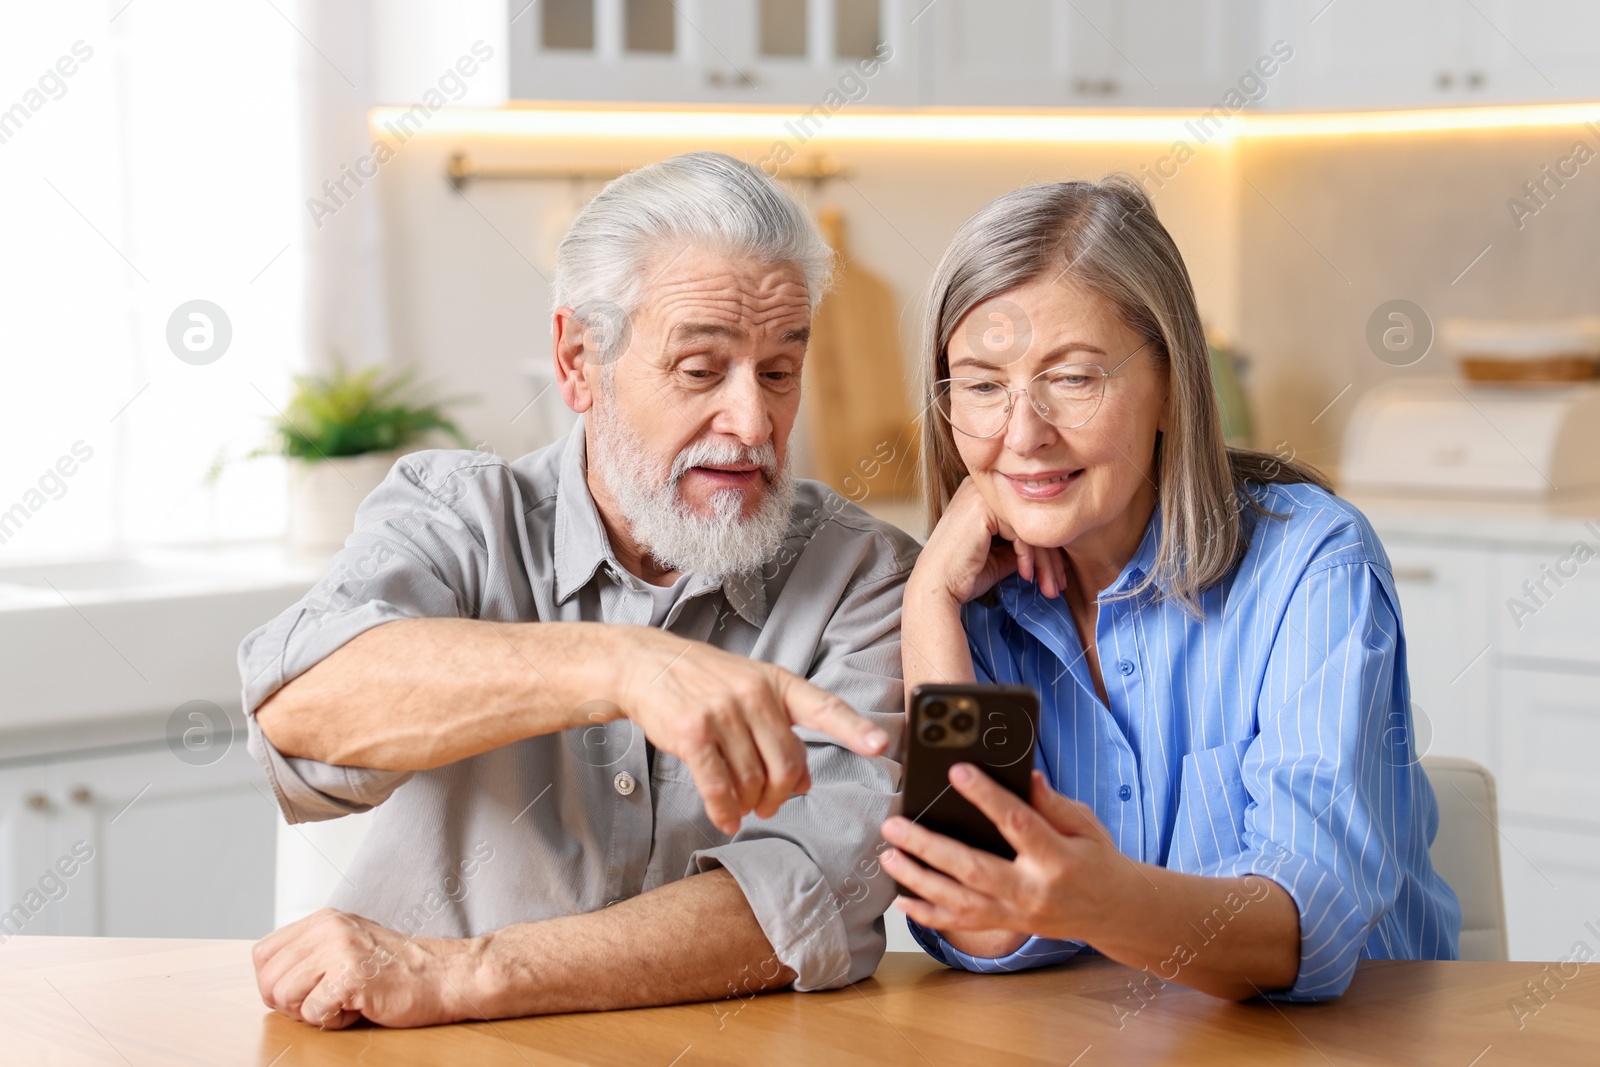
x=81 y=795
x=36 y=802
x=1419 y=573
x=740 y=79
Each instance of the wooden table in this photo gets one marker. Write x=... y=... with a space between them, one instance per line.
x=137 y=1002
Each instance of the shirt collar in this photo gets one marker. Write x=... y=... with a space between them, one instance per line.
x=581 y=542
x=582 y=547
x=1143 y=563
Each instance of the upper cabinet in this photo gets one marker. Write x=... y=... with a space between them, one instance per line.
x=1086 y=53
x=1540 y=49
x=713 y=51
x=1321 y=54
x=1433 y=53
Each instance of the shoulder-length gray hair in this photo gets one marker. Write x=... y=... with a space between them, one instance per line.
x=1105 y=236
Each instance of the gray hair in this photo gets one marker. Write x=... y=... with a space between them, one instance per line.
x=1105 y=237
x=701 y=199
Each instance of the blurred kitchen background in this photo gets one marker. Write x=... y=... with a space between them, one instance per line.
x=1389 y=210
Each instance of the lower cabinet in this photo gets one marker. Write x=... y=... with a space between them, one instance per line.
x=136 y=842
x=1444 y=593
x=1520 y=693
x=1549 y=727
x=1549 y=741
x=1552 y=884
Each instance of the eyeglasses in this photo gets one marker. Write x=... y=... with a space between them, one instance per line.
x=1066 y=397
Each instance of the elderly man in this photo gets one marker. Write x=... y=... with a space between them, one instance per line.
x=602 y=696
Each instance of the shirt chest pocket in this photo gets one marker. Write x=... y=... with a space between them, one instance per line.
x=681 y=824
x=1209 y=825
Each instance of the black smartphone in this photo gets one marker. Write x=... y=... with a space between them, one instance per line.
x=992 y=727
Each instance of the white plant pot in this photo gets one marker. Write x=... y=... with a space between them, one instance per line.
x=324 y=495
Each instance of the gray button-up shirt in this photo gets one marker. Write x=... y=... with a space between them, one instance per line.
x=572 y=821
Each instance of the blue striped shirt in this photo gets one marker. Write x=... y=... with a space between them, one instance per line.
x=1271 y=736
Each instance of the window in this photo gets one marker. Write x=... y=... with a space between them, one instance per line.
x=148 y=158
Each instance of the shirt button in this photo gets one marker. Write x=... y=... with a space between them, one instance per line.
x=624 y=783
x=1125 y=792
x=1125 y=666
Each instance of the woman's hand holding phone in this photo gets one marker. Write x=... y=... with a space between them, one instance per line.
x=1067 y=881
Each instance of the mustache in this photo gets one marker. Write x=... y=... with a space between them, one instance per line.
x=722 y=453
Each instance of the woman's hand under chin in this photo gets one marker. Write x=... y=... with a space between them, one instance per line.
x=963 y=560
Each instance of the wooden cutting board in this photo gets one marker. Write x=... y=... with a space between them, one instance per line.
x=862 y=432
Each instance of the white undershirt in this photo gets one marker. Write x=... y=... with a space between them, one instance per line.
x=663 y=597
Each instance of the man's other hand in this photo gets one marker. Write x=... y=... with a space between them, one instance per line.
x=332 y=968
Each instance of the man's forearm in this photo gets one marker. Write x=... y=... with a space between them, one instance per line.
x=691 y=940
x=420 y=693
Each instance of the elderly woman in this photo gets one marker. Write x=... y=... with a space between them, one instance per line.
x=1226 y=794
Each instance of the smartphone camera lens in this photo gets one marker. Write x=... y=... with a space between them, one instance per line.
x=934 y=709
x=933 y=733
x=962 y=721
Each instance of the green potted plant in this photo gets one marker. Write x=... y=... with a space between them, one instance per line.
x=341 y=433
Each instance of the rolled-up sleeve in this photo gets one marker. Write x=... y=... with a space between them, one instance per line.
x=1324 y=813
x=1034 y=952
x=811 y=873
x=412 y=555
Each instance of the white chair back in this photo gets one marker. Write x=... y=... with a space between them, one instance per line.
x=1466 y=852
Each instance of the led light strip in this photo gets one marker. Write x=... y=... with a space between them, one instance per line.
x=633 y=122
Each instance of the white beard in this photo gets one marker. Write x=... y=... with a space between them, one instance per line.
x=718 y=545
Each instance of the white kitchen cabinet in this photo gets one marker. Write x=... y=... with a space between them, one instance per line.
x=1518 y=692
x=1444 y=609
x=174 y=849
x=999 y=52
x=1011 y=53
x=1085 y=53
x=1348 y=54
x=714 y=51
x=1547 y=603
x=179 y=847
x=1552 y=886
x=1378 y=53
x=1431 y=53
x=1549 y=733
x=1538 y=49
x=25 y=855
x=1175 y=53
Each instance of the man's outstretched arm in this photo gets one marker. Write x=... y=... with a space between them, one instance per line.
x=420 y=693
x=415 y=694
x=691 y=940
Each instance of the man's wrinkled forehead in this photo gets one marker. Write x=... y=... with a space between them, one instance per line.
x=700 y=297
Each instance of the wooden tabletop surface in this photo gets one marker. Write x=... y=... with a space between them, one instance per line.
x=137 y=1002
